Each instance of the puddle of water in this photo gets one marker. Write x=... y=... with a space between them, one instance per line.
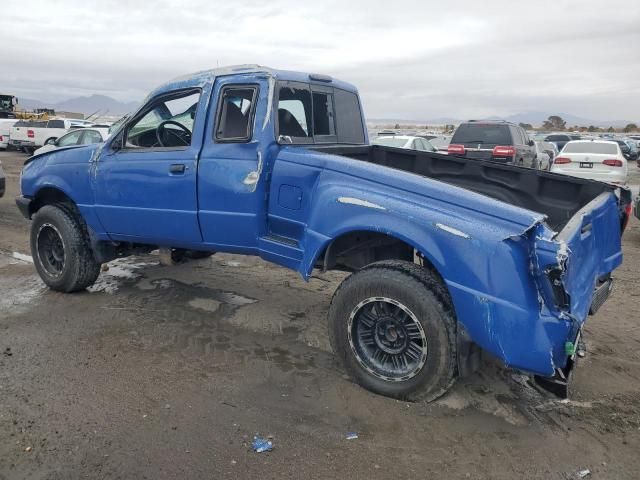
x=206 y=304
x=120 y=270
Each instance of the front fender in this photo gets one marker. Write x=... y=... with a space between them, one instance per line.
x=68 y=171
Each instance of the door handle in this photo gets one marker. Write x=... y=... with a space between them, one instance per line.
x=177 y=168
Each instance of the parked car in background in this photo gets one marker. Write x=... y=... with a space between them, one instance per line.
x=626 y=149
x=76 y=137
x=544 y=158
x=637 y=140
x=550 y=148
x=5 y=131
x=405 y=141
x=494 y=140
x=561 y=139
x=27 y=135
x=440 y=142
x=633 y=147
x=593 y=159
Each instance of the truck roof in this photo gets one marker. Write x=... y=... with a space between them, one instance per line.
x=199 y=79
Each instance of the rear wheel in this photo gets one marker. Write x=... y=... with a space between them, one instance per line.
x=393 y=327
x=61 y=250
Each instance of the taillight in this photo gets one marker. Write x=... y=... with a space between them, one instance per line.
x=561 y=160
x=30 y=134
x=0 y=138
x=456 y=149
x=501 y=151
x=612 y=162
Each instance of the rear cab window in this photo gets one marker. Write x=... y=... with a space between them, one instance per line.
x=314 y=114
x=55 y=124
x=483 y=134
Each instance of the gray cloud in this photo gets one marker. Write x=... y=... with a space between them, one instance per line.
x=414 y=60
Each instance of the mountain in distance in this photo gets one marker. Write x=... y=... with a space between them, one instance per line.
x=85 y=105
x=534 y=118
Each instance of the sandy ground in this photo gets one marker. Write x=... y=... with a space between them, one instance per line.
x=169 y=372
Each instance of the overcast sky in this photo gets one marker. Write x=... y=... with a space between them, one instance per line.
x=410 y=59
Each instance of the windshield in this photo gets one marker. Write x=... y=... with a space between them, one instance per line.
x=482 y=133
x=390 y=141
x=591 y=147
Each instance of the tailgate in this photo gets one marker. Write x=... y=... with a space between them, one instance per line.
x=587 y=250
x=19 y=133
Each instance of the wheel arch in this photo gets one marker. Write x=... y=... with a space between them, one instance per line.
x=49 y=195
x=358 y=246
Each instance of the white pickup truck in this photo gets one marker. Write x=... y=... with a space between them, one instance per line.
x=27 y=135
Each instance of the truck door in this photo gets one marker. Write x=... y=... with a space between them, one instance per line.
x=145 y=180
x=232 y=173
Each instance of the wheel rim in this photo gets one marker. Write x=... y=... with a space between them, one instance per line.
x=50 y=249
x=387 y=339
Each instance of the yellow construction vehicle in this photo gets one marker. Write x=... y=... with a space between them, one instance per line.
x=9 y=109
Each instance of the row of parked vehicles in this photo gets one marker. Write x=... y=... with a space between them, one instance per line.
x=39 y=136
x=600 y=158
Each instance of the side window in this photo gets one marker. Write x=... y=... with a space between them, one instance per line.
x=294 y=113
x=235 y=113
x=166 y=122
x=91 y=137
x=56 y=124
x=317 y=114
x=70 y=139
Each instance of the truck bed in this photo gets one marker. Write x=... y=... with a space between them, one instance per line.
x=559 y=197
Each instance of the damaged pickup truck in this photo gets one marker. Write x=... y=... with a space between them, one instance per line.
x=449 y=256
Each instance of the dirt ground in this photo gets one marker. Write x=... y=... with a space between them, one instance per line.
x=169 y=372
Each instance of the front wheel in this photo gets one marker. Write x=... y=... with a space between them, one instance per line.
x=61 y=250
x=393 y=327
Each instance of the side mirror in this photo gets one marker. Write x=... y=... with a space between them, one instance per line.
x=531 y=143
x=51 y=141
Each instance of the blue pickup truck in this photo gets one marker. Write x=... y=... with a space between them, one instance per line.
x=449 y=256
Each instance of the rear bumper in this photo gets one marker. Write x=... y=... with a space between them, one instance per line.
x=618 y=178
x=24 y=205
x=22 y=143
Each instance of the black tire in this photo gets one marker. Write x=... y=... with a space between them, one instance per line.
x=68 y=270
x=419 y=295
